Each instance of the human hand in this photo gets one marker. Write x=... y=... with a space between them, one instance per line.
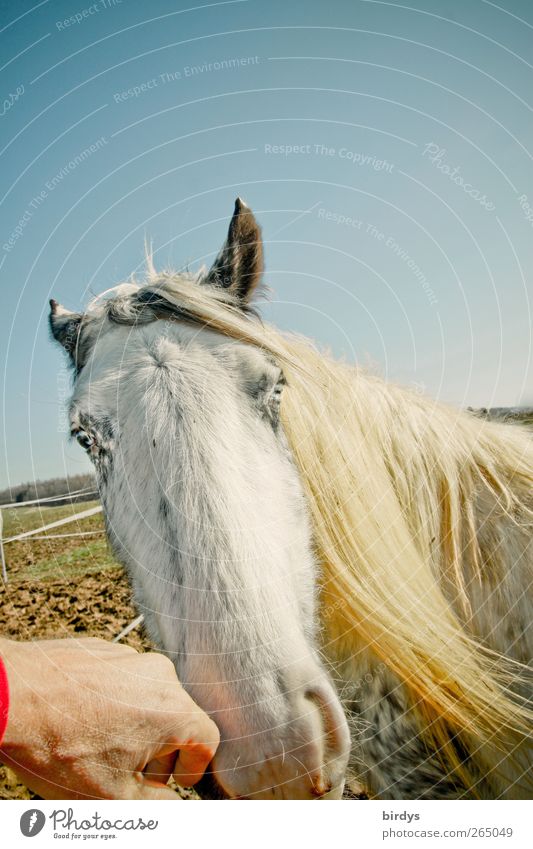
x=92 y=719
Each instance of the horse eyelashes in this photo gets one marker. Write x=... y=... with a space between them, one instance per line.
x=96 y=438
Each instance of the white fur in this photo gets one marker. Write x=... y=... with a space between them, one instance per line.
x=225 y=574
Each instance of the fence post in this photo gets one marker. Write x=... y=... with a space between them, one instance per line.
x=2 y=554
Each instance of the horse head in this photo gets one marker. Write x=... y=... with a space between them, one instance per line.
x=204 y=506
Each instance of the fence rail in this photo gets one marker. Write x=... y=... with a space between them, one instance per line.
x=84 y=514
x=36 y=534
x=14 y=504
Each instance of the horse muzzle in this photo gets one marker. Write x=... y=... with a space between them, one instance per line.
x=303 y=757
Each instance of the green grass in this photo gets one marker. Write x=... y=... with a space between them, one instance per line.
x=87 y=558
x=20 y=519
x=38 y=559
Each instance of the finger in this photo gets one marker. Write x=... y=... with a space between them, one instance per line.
x=95 y=644
x=192 y=762
x=106 y=647
x=117 y=648
x=159 y=769
x=142 y=789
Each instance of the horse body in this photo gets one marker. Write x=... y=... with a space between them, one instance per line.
x=230 y=509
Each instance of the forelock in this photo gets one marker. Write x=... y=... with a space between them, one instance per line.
x=136 y=304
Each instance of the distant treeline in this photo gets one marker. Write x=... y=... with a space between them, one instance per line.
x=505 y=414
x=49 y=488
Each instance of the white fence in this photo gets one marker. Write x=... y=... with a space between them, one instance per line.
x=84 y=514
x=37 y=533
x=48 y=499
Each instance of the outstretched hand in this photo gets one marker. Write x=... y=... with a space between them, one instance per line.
x=92 y=719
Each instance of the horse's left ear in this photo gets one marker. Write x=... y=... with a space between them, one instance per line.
x=65 y=326
x=239 y=265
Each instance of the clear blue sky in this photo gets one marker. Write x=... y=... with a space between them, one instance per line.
x=396 y=232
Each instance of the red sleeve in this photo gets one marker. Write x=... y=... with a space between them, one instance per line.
x=4 y=699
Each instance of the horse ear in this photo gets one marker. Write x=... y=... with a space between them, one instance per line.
x=64 y=326
x=239 y=265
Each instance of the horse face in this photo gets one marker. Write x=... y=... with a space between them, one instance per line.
x=204 y=507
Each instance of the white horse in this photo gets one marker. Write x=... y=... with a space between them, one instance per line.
x=338 y=567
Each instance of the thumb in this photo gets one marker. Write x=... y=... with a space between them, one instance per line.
x=192 y=762
x=160 y=766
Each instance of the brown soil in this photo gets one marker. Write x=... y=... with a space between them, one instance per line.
x=95 y=605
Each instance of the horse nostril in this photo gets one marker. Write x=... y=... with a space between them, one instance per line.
x=335 y=726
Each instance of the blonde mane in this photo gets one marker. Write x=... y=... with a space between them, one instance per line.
x=409 y=501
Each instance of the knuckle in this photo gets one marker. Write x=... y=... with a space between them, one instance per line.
x=160 y=661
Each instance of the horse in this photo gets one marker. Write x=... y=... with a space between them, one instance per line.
x=337 y=566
